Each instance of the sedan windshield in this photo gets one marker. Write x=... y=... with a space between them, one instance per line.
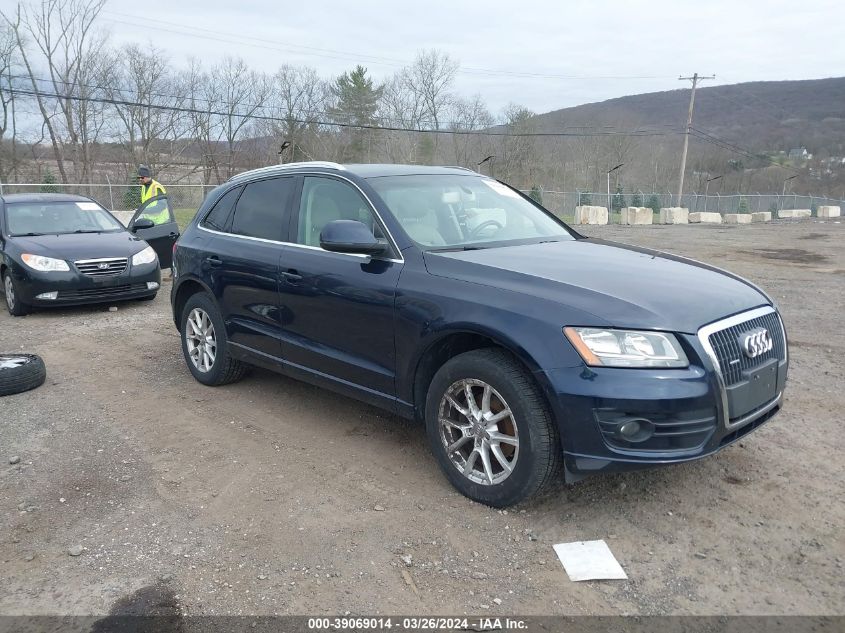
x=464 y=212
x=56 y=218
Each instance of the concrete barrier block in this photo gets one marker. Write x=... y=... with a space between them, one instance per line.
x=673 y=215
x=828 y=212
x=705 y=218
x=590 y=215
x=637 y=215
x=761 y=216
x=794 y=213
x=737 y=218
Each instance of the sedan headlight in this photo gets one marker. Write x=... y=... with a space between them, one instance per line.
x=45 y=264
x=146 y=256
x=600 y=347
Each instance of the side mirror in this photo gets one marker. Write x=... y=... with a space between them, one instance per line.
x=350 y=236
x=142 y=223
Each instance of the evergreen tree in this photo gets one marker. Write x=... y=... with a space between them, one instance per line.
x=654 y=202
x=536 y=194
x=49 y=182
x=618 y=200
x=743 y=206
x=132 y=197
x=356 y=102
x=584 y=199
x=636 y=199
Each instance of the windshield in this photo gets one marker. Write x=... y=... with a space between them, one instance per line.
x=444 y=212
x=42 y=218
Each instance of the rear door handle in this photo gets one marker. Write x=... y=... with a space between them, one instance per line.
x=214 y=261
x=291 y=276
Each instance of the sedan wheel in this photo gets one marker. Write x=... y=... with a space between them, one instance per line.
x=13 y=303
x=10 y=292
x=200 y=340
x=479 y=432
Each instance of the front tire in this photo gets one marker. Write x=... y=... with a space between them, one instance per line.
x=204 y=343
x=15 y=306
x=490 y=429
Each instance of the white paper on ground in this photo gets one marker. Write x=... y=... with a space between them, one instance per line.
x=589 y=560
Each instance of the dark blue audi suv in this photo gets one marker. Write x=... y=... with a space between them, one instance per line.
x=451 y=298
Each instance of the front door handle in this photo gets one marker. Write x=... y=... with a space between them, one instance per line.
x=291 y=276
x=213 y=261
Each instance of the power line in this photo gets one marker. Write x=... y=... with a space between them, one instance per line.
x=35 y=93
x=220 y=36
x=737 y=149
x=264 y=107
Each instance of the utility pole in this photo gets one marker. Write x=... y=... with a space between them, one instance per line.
x=695 y=79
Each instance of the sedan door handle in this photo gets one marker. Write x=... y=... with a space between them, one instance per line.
x=291 y=276
x=214 y=261
x=174 y=234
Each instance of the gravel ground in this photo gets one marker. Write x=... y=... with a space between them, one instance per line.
x=137 y=485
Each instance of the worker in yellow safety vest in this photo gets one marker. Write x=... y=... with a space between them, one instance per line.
x=150 y=189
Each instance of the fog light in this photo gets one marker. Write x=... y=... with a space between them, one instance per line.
x=152 y=285
x=48 y=295
x=635 y=430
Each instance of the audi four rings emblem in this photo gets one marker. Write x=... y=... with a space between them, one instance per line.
x=756 y=342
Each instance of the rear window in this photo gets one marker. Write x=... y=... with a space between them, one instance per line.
x=218 y=217
x=260 y=209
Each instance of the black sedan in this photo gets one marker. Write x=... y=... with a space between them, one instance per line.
x=59 y=249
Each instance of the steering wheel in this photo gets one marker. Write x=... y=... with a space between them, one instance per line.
x=484 y=225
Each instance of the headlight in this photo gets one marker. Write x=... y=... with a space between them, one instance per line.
x=146 y=256
x=626 y=348
x=45 y=264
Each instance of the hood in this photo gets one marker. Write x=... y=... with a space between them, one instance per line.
x=81 y=245
x=623 y=286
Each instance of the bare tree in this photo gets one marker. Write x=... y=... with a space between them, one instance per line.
x=72 y=56
x=239 y=94
x=8 y=61
x=469 y=115
x=298 y=97
x=143 y=88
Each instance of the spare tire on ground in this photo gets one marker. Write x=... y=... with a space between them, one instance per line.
x=20 y=372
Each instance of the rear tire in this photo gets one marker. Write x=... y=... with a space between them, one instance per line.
x=204 y=343
x=504 y=443
x=20 y=372
x=13 y=303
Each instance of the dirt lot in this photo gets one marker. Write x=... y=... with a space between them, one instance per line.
x=271 y=496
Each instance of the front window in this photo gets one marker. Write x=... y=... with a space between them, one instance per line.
x=58 y=218
x=448 y=212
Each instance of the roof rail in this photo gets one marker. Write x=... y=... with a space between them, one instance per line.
x=460 y=167
x=285 y=166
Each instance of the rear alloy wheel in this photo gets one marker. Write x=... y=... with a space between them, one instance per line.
x=490 y=428
x=15 y=306
x=20 y=372
x=204 y=343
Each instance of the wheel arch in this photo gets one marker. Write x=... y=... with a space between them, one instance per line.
x=453 y=343
x=184 y=291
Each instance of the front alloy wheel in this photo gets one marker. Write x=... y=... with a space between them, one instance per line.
x=13 y=303
x=479 y=432
x=490 y=428
x=200 y=340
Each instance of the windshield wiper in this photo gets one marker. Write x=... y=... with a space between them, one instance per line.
x=88 y=231
x=450 y=249
x=30 y=234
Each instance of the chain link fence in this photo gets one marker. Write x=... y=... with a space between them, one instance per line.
x=186 y=199
x=563 y=203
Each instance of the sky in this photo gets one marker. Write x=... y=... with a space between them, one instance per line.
x=542 y=54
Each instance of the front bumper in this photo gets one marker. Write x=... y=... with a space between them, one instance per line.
x=75 y=288
x=689 y=413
